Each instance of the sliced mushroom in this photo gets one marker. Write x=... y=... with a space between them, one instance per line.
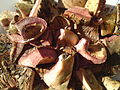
x=35 y=56
x=96 y=53
x=46 y=39
x=59 y=75
x=112 y=43
x=67 y=37
x=30 y=28
x=78 y=13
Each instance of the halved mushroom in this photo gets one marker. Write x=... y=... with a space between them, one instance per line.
x=71 y=3
x=59 y=75
x=29 y=29
x=67 y=37
x=35 y=56
x=46 y=39
x=77 y=13
x=96 y=53
x=59 y=22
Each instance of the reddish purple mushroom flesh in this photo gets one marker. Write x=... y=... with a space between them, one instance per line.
x=37 y=56
x=79 y=13
x=96 y=57
x=29 y=29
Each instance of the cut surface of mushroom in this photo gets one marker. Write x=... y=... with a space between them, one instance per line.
x=97 y=55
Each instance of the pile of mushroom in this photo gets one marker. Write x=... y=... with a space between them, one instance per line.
x=62 y=44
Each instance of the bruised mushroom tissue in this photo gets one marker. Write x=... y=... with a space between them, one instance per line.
x=49 y=35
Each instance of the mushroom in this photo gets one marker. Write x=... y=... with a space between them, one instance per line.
x=77 y=13
x=67 y=37
x=112 y=43
x=59 y=75
x=35 y=56
x=96 y=53
x=29 y=28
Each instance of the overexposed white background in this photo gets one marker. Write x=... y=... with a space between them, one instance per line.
x=7 y=5
x=112 y=2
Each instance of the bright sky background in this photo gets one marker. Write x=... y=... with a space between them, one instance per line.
x=112 y=2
